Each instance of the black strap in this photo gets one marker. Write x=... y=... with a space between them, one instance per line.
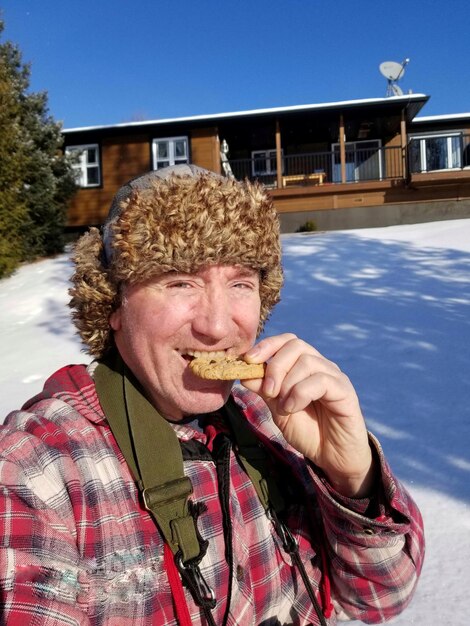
x=257 y=464
x=254 y=459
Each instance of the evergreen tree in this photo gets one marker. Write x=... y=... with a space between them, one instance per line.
x=49 y=180
x=36 y=179
x=13 y=209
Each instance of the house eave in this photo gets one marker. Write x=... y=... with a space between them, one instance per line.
x=413 y=101
x=453 y=117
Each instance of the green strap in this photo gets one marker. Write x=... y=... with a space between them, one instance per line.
x=109 y=387
x=153 y=453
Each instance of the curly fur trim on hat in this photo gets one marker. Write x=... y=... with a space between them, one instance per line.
x=180 y=223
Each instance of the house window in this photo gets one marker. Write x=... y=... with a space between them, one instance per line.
x=363 y=161
x=86 y=164
x=429 y=153
x=264 y=162
x=169 y=151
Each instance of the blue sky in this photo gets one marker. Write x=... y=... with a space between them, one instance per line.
x=113 y=61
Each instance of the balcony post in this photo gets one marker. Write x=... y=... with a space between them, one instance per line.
x=342 y=148
x=278 y=155
x=403 y=145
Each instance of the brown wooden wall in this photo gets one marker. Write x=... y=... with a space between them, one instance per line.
x=121 y=159
x=125 y=157
x=205 y=149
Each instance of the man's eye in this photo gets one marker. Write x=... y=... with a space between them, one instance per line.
x=179 y=285
x=244 y=285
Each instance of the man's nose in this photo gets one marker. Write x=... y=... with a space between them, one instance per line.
x=213 y=316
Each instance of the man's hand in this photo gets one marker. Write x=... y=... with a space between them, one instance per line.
x=317 y=410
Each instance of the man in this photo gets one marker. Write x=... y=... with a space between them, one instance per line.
x=136 y=492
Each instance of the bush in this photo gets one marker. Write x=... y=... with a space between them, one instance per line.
x=308 y=227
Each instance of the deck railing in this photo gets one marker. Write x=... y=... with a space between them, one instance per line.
x=323 y=167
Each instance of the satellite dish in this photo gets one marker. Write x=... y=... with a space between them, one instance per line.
x=393 y=71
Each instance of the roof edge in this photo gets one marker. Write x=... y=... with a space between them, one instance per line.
x=301 y=107
x=442 y=118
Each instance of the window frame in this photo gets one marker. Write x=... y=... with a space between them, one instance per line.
x=82 y=166
x=422 y=154
x=172 y=159
x=267 y=155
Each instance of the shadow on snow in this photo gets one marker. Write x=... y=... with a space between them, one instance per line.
x=396 y=319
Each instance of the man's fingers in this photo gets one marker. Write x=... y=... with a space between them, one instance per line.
x=290 y=368
x=297 y=374
x=268 y=347
x=326 y=387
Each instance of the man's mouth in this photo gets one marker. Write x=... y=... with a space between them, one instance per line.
x=209 y=355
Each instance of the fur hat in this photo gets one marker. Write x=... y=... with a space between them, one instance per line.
x=178 y=218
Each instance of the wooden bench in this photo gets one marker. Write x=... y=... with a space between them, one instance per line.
x=317 y=178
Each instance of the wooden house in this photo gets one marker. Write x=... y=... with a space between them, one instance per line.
x=345 y=164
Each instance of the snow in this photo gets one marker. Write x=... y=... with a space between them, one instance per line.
x=392 y=307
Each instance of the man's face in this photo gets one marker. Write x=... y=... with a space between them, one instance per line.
x=162 y=322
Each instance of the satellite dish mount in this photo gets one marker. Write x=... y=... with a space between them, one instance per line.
x=393 y=72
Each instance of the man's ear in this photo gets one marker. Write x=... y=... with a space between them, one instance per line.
x=115 y=319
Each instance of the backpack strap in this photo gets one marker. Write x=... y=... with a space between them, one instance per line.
x=142 y=433
x=153 y=453
x=254 y=459
x=257 y=463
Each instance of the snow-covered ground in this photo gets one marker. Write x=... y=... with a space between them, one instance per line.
x=392 y=307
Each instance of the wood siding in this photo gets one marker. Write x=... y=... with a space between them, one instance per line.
x=122 y=158
x=205 y=149
x=422 y=188
x=125 y=157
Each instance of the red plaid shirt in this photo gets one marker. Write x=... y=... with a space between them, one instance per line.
x=76 y=547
